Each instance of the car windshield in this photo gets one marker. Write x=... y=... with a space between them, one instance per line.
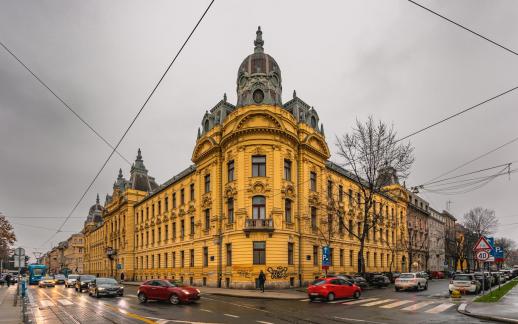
x=87 y=278
x=175 y=283
x=319 y=282
x=59 y=276
x=73 y=277
x=106 y=281
x=462 y=277
x=406 y=275
x=38 y=271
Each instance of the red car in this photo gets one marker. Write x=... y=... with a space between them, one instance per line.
x=173 y=291
x=331 y=288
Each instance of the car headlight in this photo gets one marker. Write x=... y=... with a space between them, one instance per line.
x=101 y=289
x=185 y=291
x=121 y=287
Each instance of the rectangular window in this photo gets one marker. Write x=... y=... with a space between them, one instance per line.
x=205 y=256
x=166 y=203
x=153 y=236
x=229 y=254
x=166 y=236
x=290 y=253
x=313 y=181
x=147 y=262
x=174 y=231
x=182 y=258
x=341 y=193
x=350 y=230
x=367 y=259
x=329 y=189
x=341 y=257
x=159 y=264
x=147 y=213
x=173 y=261
x=230 y=171
x=182 y=196
x=350 y=197
x=258 y=207
x=230 y=210
x=315 y=255
x=341 y=224
x=259 y=252
x=381 y=260
x=192 y=225
x=192 y=191
x=153 y=210
x=207 y=183
x=359 y=229
x=375 y=259
x=313 y=217
x=358 y=199
x=287 y=170
x=191 y=259
x=182 y=229
x=159 y=207
x=152 y=260
x=165 y=260
x=351 y=258
x=287 y=211
x=207 y=219
x=258 y=166
x=159 y=234
x=174 y=199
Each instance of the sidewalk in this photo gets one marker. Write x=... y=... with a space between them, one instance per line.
x=287 y=294
x=9 y=312
x=501 y=311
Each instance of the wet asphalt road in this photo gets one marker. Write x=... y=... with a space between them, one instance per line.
x=62 y=305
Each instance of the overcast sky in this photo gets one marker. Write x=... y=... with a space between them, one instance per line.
x=348 y=59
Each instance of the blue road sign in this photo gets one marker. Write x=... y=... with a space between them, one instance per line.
x=326 y=261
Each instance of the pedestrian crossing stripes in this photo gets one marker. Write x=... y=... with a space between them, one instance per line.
x=65 y=302
x=46 y=303
x=429 y=307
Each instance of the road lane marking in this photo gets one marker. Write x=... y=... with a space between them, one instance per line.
x=263 y=322
x=335 y=302
x=374 y=303
x=359 y=301
x=417 y=306
x=396 y=304
x=129 y=314
x=230 y=315
x=46 y=303
x=462 y=307
x=307 y=299
x=65 y=302
x=358 y=320
x=440 y=308
x=205 y=310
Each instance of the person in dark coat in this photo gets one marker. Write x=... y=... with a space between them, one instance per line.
x=8 y=279
x=262 y=279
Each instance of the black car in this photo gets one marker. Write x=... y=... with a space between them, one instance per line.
x=357 y=280
x=484 y=279
x=105 y=287
x=83 y=281
x=379 y=281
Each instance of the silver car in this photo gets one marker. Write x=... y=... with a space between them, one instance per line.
x=71 y=281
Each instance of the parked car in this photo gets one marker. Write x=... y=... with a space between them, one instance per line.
x=389 y=275
x=82 y=282
x=496 y=278
x=357 y=280
x=411 y=280
x=331 y=288
x=105 y=287
x=464 y=282
x=484 y=279
x=438 y=275
x=60 y=279
x=161 y=289
x=47 y=281
x=71 y=281
x=379 y=281
x=505 y=275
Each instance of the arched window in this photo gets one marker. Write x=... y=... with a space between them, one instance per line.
x=313 y=122
x=206 y=125
x=258 y=207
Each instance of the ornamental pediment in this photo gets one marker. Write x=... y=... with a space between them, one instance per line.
x=206 y=201
x=288 y=191
x=317 y=144
x=314 y=199
x=258 y=187
x=230 y=191
x=202 y=147
x=258 y=119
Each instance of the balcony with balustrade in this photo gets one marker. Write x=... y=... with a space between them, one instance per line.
x=258 y=225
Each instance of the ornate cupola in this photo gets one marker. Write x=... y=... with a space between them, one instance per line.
x=259 y=77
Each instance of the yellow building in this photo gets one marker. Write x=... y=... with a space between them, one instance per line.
x=74 y=253
x=261 y=195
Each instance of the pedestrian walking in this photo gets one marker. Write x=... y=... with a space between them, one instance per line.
x=8 y=279
x=262 y=279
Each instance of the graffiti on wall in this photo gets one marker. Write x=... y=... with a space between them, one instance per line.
x=278 y=273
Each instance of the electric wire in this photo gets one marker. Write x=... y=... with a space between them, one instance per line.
x=63 y=102
x=132 y=122
x=456 y=114
x=463 y=27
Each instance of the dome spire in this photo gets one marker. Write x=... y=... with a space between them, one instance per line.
x=259 y=41
x=97 y=200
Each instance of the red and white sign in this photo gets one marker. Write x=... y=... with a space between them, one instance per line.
x=482 y=255
x=482 y=244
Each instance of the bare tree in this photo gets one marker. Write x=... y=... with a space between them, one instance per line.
x=481 y=221
x=7 y=237
x=507 y=245
x=368 y=151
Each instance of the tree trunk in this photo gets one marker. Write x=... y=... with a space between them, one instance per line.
x=410 y=260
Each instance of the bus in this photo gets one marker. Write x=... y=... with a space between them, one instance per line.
x=36 y=272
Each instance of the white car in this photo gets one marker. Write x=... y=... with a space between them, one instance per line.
x=71 y=281
x=505 y=274
x=411 y=280
x=464 y=282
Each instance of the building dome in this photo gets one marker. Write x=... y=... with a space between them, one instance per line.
x=259 y=78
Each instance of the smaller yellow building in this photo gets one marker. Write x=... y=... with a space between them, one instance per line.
x=74 y=253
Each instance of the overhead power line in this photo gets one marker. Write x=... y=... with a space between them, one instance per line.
x=465 y=28
x=472 y=172
x=62 y=101
x=473 y=160
x=132 y=122
x=457 y=114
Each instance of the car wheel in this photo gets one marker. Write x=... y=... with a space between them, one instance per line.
x=426 y=286
x=173 y=299
x=330 y=297
x=97 y=294
x=356 y=295
x=311 y=298
x=142 y=298
x=89 y=293
x=396 y=288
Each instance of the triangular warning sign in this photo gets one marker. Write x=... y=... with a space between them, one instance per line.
x=482 y=244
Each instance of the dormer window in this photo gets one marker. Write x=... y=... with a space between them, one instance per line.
x=313 y=122
x=206 y=125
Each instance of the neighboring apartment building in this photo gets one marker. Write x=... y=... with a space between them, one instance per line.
x=450 y=243
x=418 y=214
x=436 y=237
x=260 y=196
x=74 y=253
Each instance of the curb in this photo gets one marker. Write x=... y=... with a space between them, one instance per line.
x=464 y=311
